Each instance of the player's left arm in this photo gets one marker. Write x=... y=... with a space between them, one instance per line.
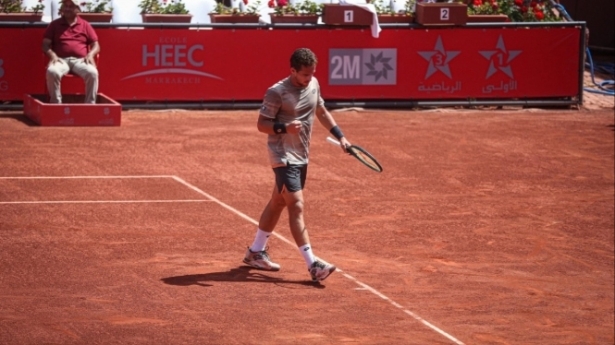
x=93 y=46
x=326 y=120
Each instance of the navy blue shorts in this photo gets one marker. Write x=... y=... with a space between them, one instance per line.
x=290 y=178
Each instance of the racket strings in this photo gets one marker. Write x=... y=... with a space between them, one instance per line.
x=366 y=159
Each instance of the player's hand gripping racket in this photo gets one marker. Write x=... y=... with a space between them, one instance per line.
x=361 y=154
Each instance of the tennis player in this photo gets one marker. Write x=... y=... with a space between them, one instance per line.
x=287 y=116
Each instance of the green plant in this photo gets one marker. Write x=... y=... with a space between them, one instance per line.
x=516 y=10
x=162 y=7
x=16 y=6
x=306 y=7
x=389 y=9
x=410 y=7
x=281 y=7
x=221 y=9
x=381 y=8
x=251 y=10
x=311 y=7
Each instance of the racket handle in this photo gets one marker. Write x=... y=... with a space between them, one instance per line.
x=333 y=141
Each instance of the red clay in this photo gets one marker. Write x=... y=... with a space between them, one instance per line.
x=496 y=228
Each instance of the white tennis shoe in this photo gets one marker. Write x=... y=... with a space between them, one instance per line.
x=260 y=260
x=321 y=270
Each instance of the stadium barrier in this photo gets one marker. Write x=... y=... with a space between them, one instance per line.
x=408 y=64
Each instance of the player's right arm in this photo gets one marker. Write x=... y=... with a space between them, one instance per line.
x=267 y=119
x=53 y=58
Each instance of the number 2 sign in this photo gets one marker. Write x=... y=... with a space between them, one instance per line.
x=444 y=14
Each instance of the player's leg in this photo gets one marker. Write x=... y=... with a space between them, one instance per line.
x=271 y=214
x=89 y=73
x=293 y=195
x=54 y=76
x=257 y=255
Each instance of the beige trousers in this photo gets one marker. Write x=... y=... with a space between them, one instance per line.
x=77 y=66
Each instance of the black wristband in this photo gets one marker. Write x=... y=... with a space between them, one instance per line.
x=279 y=128
x=337 y=132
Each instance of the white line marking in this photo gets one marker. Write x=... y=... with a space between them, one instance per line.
x=397 y=305
x=80 y=177
x=237 y=212
x=361 y=284
x=97 y=202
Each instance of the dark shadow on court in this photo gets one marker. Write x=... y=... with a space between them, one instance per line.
x=240 y=274
x=19 y=116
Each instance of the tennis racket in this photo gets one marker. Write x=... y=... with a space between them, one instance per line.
x=361 y=154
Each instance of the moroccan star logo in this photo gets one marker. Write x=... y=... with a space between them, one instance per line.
x=499 y=60
x=378 y=66
x=439 y=59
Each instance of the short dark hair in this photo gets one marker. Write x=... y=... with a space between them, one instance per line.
x=302 y=57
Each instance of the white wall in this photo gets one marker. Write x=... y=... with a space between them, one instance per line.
x=200 y=9
x=47 y=12
x=126 y=11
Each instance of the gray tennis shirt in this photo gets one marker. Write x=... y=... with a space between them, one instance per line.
x=285 y=102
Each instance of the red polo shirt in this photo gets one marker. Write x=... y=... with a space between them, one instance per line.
x=70 y=40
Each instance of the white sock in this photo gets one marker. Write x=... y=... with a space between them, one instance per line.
x=308 y=255
x=260 y=241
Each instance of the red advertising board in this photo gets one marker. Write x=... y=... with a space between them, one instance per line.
x=205 y=64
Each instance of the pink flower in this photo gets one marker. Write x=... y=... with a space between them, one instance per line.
x=271 y=4
x=282 y=3
x=245 y=2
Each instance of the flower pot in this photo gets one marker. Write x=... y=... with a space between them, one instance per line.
x=395 y=18
x=29 y=17
x=346 y=14
x=233 y=19
x=431 y=13
x=294 y=19
x=487 y=18
x=96 y=17
x=166 y=18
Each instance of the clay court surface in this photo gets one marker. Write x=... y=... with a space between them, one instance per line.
x=486 y=227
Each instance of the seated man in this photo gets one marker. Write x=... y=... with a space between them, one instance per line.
x=71 y=45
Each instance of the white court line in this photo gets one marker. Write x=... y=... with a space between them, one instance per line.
x=363 y=285
x=237 y=212
x=80 y=177
x=98 y=201
x=89 y=201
